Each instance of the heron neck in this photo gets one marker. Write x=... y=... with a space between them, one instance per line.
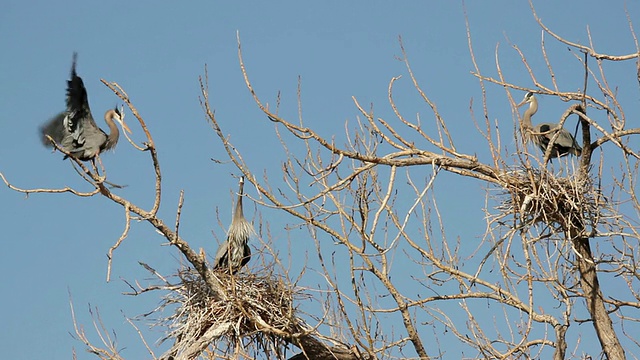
x=114 y=133
x=239 y=214
x=526 y=118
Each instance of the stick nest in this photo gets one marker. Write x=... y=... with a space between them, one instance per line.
x=249 y=309
x=536 y=196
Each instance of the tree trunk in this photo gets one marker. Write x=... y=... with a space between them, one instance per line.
x=593 y=295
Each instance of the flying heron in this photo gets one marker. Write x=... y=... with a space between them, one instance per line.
x=75 y=131
x=234 y=253
x=541 y=134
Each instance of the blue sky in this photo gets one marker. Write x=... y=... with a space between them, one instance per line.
x=56 y=244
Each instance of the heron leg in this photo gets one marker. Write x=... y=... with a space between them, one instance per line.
x=100 y=162
x=81 y=173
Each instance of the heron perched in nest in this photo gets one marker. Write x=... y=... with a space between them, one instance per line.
x=235 y=253
x=75 y=131
x=541 y=134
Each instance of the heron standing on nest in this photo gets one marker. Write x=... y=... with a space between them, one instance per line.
x=541 y=134
x=234 y=253
x=75 y=131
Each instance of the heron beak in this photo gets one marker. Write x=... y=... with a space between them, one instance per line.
x=522 y=103
x=125 y=127
x=121 y=119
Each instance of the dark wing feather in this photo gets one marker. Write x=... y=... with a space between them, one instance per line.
x=246 y=256
x=54 y=128
x=221 y=260
x=78 y=112
x=564 y=144
x=544 y=138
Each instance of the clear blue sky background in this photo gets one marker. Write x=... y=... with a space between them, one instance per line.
x=55 y=244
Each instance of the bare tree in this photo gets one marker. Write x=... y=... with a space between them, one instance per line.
x=554 y=234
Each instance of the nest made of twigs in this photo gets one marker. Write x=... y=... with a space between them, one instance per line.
x=537 y=196
x=244 y=309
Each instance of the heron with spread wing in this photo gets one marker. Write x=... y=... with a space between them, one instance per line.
x=75 y=131
x=542 y=134
x=234 y=252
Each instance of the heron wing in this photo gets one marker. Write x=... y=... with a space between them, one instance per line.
x=76 y=142
x=567 y=140
x=246 y=256
x=78 y=121
x=54 y=128
x=221 y=260
x=564 y=144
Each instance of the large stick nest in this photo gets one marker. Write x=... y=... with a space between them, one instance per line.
x=536 y=196
x=246 y=310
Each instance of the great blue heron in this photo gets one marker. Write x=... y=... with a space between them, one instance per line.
x=234 y=253
x=541 y=134
x=75 y=131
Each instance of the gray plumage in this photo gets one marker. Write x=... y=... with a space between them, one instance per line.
x=234 y=252
x=74 y=130
x=541 y=134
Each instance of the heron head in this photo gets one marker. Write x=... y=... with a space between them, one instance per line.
x=528 y=98
x=118 y=115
